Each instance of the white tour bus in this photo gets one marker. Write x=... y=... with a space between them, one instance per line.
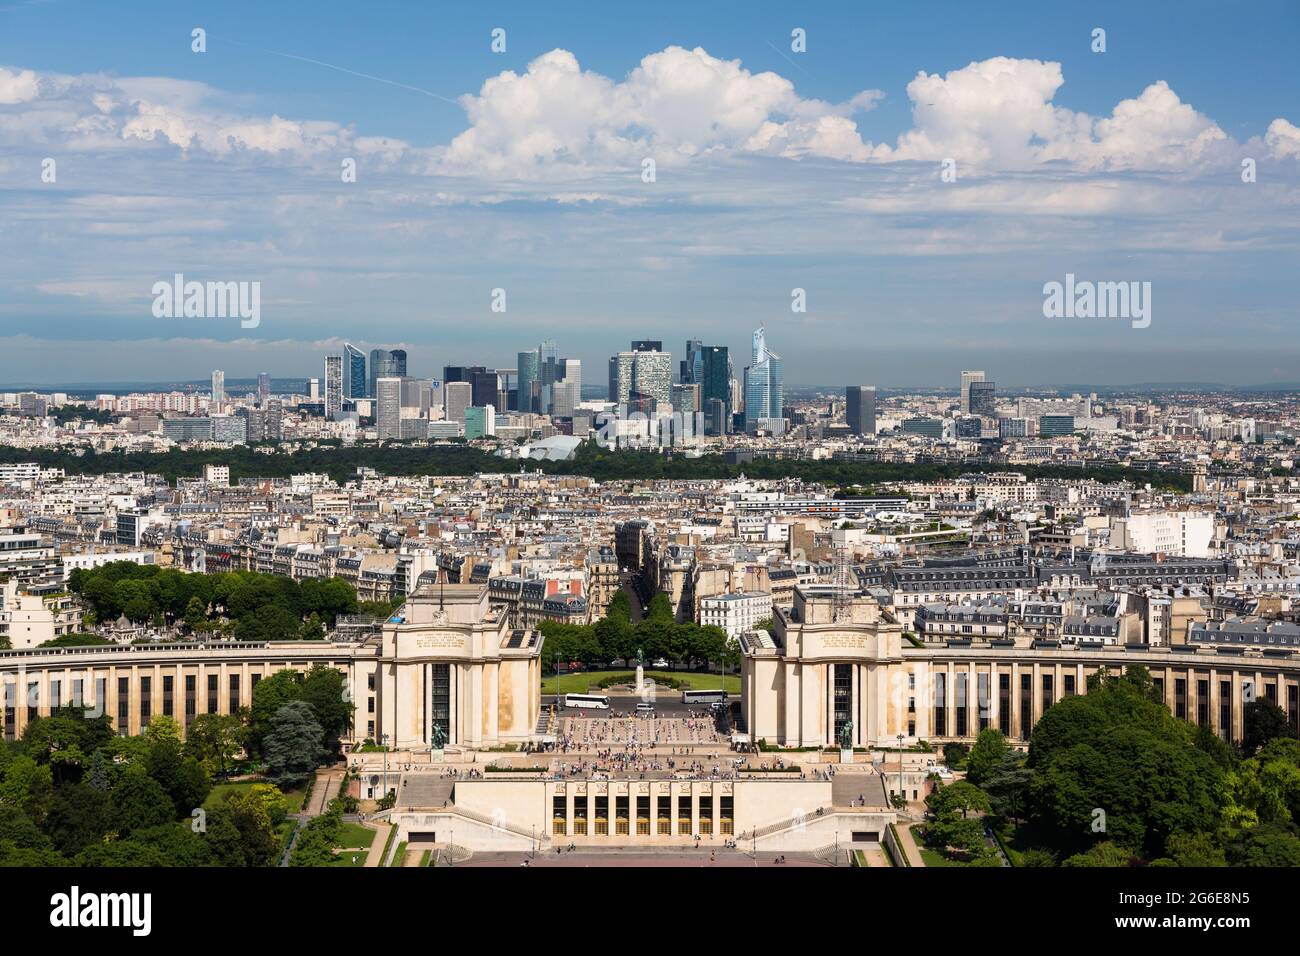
x=704 y=697
x=586 y=701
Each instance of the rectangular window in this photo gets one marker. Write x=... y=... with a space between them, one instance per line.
x=1225 y=709
x=123 y=705
x=440 y=701
x=843 y=697
x=214 y=693
x=961 y=704
x=643 y=815
x=168 y=690
x=1203 y=702
x=1292 y=711
x=191 y=698
x=602 y=816
x=234 y=693
x=727 y=816
x=146 y=701
x=78 y=692
x=1068 y=683
x=580 y=815
x=1004 y=704
x=982 y=697
x=940 y=705
x=1026 y=706
x=620 y=815
x=559 y=821
x=1180 y=698
x=663 y=819
x=55 y=688
x=1048 y=691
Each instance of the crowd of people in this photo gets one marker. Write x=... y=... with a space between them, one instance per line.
x=680 y=734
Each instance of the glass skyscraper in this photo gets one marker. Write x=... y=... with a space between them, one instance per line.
x=529 y=380
x=354 y=372
x=385 y=363
x=764 y=383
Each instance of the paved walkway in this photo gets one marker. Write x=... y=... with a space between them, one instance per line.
x=875 y=856
x=376 y=855
x=325 y=790
x=908 y=842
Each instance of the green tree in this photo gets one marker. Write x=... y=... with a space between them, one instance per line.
x=988 y=753
x=1118 y=750
x=1262 y=721
x=78 y=817
x=27 y=787
x=1267 y=845
x=214 y=740
x=270 y=694
x=139 y=802
x=293 y=745
x=1195 y=849
x=323 y=688
x=1104 y=854
x=183 y=777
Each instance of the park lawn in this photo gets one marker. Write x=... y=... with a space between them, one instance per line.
x=1016 y=839
x=354 y=835
x=293 y=798
x=931 y=857
x=581 y=682
x=350 y=859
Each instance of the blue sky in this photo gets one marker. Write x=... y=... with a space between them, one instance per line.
x=776 y=170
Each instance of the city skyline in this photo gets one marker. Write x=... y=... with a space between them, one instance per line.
x=778 y=172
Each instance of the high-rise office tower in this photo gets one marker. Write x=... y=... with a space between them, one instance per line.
x=313 y=389
x=982 y=398
x=716 y=419
x=457 y=396
x=647 y=345
x=480 y=421
x=641 y=378
x=529 y=388
x=692 y=370
x=333 y=385
x=764 y=386
x=565 y=397
x=354 y=373
x=714 y=375
x=487 y=387
x=218 y=385
x=417 y=393
x=966 y=379
x=274 y=419
x=385 y=363
x=860 y=409
x=686 y=399
x=388 y=407
x=263 y=388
